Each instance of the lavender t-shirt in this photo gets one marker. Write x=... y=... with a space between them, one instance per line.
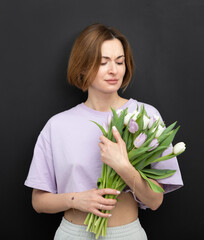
x=67 y=157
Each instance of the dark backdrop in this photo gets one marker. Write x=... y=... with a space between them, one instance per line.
x=36 y=39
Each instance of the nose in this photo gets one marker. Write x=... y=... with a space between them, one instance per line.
x=112 y=68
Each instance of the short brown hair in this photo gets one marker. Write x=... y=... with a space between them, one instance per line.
x=85 y=58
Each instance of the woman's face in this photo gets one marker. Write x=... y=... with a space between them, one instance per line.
x=112 y=69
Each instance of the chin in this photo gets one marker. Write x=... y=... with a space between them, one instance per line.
x=111 y=89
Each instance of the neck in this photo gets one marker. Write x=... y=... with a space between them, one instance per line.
x=103 y=102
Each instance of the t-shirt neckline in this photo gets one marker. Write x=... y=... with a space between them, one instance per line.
x=93 y=111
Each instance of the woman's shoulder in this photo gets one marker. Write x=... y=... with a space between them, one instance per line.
x=73 y=111
x=64 y=118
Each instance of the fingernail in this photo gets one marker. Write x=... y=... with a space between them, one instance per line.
x=118 y=192
x=109 y=215
x=114 y=128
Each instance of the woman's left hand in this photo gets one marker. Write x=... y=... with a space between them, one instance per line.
x=114 y=154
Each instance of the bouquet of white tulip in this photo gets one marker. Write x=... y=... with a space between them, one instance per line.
x=146 y=139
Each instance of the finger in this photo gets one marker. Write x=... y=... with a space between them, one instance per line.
x=116 y=134
x=109 y=191
x=101 y=146
x=101 y=214
x=107 y=201
x=105 y=207
x=104 y=140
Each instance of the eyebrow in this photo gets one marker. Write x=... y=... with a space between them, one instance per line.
x=116 y=58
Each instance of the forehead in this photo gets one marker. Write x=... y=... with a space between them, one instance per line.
x=112 y=48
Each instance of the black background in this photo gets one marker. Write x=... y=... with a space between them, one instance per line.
x=36 y=38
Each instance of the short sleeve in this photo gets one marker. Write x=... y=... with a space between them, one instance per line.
x=41 y=173
x=171 y=183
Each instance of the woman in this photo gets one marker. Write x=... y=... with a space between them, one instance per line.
x=70 y=150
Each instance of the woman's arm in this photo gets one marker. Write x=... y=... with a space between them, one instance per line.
x=46 y=202
x=87 y=201
x=140 y=187
x=115 y=155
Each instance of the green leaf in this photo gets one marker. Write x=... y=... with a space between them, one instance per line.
x=140 y=118
x=170 y=127
x=158 y=173
x=154 y=125
x=129 y=143
x=149 y=140
x=166 y=132
x=158 y=151
x=170 y=138
x=115 y=117
x=136 y=152
x=151 y=156
x=152 y=185
x=120 y=122
x=102 y=129
x=166 y=157
x=125 y=135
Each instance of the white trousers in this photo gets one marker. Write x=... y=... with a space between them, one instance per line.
x=70 y=231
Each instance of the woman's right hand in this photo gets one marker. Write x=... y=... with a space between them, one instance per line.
x=93 y=201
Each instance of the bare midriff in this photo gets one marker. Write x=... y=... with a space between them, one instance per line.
x=125 y=211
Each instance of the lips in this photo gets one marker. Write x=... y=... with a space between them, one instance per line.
x=112 y=81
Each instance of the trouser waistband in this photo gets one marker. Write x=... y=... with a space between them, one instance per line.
x=119 y=231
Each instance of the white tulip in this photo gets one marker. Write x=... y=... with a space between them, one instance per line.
x=159 y=131
x=179 y=148
x=127 y=118
x=119 y=112
x=145 y=122
x=135 y=115
x=153 y=130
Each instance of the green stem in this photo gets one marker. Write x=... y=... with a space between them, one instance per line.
x=104 y=230
x=87 y=219
x=90 y=222
x=100 y=228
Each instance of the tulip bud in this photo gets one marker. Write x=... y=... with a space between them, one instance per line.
x=151 y=121
x=135 y=115
x=127 y=118
x=133 y=126
x=119 y=112
x=179 y=148
x=159 y=131
x=154 y=143
x=145 y=122
x=153 y=130
x=140 y=140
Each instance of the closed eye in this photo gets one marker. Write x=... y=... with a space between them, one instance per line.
x=118 y=63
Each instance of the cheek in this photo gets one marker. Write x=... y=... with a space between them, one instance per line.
x=96 y=80
x=100 y=75
x=122 y=72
